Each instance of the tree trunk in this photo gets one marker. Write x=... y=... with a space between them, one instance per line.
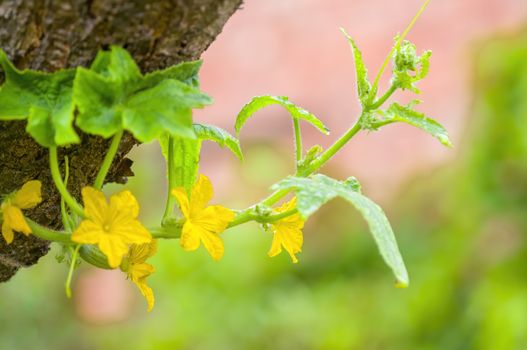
x=49 y=35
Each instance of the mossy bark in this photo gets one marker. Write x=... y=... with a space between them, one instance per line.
x=49 y=35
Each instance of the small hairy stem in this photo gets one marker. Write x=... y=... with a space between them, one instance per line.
x=383 y=98
x=108 y=159
x=57 y=179
x=48 y=234
x=74 y=255
x=280 y=216
x=298 y=141
x=242 y=217
x=401 y=38
x=162 y=232
x=66 y=220
x=331 y=151
x=171 y=201
x=249 y=215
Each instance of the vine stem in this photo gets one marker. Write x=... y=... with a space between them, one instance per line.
x=401 y=38
x=169 y=207
x=57 y=179
x=108 y=159
x=48 y=234
x=246 y=215
x=74 y=256
x=298 y=141
x=383 y=98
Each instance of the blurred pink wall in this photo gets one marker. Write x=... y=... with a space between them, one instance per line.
x=295 y=48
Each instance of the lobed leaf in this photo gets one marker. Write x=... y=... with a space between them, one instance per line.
x=220 y=136
x=260 y=102
x=405 y=114
x=43 y=98
x=113 y=95
x=363 y=84
x=318 y=189
x=186 y=72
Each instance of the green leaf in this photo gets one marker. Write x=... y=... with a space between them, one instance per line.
x=122 y=66
x=318 y=189
x=164 y=108
x=259 y=102
x=186 y=72
x=363 y=84
x=97 y=101
x=220 y=136
x=405 y=114
x=44 y=98
x=185 y=163
x=113 y=95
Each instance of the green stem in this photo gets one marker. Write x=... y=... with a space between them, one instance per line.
x=171 y=201
x=243 y=217
x=74 y=255
x=66 y=220
x=163 y=232
x=280 y=216
x=248 y=215
x=401 y=38
x=298 y=141
x=57 y=179
x=383 y=98
x=330 y=152
x=108 y=159
x=48 y=234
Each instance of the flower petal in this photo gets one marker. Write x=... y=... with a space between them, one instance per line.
x=291 y=239
x=14 y=218
x=214 y=218
x=130 y=232
x=214 y=244
x=114 y=249
x=95 y=206
x=29 y=195
x=190 y=235
x=140 y=252
x=7 y=232
x=125 y=203
x=182 y=198
x=276 y=246
x=148 y=293
x=202 y=193
x=88 y=232
x=286 y=206
x=141 y=271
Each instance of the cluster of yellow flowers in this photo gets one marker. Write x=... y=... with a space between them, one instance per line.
x=114 y=227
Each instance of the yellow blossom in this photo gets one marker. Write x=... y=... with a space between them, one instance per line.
x=135 y=266
x=287 y=232
x=203 y=223
x=13 y=220
x=112 y=227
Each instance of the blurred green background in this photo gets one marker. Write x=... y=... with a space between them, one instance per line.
x=461 y=229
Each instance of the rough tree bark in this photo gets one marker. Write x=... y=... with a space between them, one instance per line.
x=49 y=35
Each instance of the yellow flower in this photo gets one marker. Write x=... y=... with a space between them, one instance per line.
x=203 y=223
x=287 y=232
x=112 y=227
x=135 y=266
x=13 y=219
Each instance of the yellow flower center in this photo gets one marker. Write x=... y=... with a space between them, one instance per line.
x=106 y=227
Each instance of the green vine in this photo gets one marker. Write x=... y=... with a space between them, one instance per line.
x=113 y=96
